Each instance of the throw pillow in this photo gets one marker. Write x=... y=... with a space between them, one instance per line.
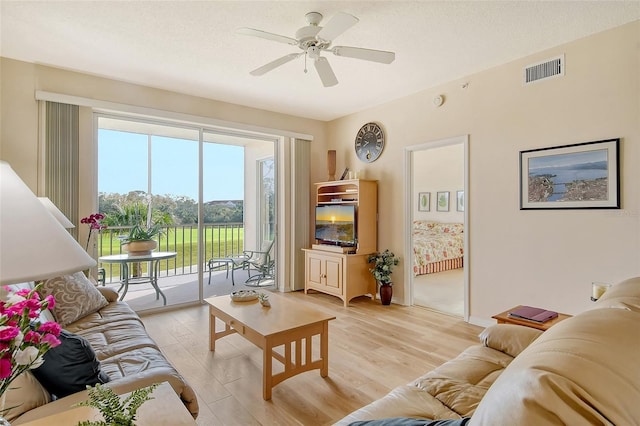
x=75 y=297
x=69 y=367
x=24 y=394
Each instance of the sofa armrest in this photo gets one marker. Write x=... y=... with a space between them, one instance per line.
x=508 y=338
x=109 y=293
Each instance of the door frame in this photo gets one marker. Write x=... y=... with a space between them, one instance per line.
x=409 y=209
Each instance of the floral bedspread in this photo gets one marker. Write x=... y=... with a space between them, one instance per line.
x=435 y=242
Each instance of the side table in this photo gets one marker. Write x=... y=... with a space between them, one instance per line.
x=504 y=318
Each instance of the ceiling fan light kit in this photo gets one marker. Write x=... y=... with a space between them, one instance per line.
x=313 y=40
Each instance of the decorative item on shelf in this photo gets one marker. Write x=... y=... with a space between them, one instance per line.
x=24 y=339
x=383 y=264
x=264 y=300
x=346 y=174
x=331 y=164
x=115 y=411
x=598 y=289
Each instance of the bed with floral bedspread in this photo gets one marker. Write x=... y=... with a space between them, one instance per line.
x=437 y=246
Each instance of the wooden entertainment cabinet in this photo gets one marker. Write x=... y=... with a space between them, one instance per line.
x=329 y=269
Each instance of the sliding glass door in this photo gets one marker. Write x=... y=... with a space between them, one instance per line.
x=193 y=182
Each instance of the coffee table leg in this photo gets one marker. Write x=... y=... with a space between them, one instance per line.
x=212 y=332
x=267 y=363
x=324 y=349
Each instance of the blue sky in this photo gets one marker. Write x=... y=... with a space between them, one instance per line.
x=123 y=166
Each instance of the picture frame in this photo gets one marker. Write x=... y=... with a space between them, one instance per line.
x=345 y=173
x=578 y=176
x=442 y=201
x=460 y=201
x=424 y=201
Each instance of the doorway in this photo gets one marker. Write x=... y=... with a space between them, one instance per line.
x=437 y=243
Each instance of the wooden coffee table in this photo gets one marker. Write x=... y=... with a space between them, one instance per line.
x=504 y=318
x=286 y=323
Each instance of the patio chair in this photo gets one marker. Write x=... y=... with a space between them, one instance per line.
x=262 y=263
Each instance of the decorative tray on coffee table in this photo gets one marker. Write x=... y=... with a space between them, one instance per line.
x=244 y=295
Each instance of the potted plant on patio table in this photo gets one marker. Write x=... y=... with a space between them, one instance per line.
x=140 y=240
x=383 y=264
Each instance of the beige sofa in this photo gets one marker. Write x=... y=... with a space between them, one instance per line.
x=583 y=370
x=126 y=353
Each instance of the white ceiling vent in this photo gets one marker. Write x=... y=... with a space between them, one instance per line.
x=544 y=70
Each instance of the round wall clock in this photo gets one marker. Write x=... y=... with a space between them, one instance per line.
x=369 y=142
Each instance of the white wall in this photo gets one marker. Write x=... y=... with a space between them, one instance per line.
x=438 y=170
x=542 y=258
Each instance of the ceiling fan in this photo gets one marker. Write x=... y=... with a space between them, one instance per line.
x=313 y=40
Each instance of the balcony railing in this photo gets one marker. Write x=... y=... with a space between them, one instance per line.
x=219 y=240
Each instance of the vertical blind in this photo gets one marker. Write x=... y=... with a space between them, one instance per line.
x=61 y=158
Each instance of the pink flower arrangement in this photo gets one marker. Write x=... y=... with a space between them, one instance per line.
x=93 y=221
x=24 y=339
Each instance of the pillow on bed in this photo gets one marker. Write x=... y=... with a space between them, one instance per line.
x=423 y=225
x=448 y=228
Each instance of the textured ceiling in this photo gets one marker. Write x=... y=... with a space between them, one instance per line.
x=191 y=47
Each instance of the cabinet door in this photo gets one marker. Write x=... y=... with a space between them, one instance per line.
x=333 y=274
x=314 y=270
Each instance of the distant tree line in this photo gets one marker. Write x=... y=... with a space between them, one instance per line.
x=131 y=208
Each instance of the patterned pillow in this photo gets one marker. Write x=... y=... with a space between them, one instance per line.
x=75 y=297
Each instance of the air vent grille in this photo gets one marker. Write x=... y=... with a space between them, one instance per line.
x=543 y=70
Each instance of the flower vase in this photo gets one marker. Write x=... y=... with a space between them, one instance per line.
x=386 y=293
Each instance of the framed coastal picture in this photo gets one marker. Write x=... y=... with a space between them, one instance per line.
x=442 y=202
x=460 y=201
x=579 y=176
x=424 y=201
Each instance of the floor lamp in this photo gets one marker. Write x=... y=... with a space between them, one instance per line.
x=33 y=244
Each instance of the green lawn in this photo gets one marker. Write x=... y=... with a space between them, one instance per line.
x=219 y=242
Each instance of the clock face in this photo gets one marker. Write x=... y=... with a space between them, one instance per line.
x=369 y=142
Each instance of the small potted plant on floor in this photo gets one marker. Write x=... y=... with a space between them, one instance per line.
x=383 y=264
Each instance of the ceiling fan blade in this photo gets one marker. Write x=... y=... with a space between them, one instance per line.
x=275 y=64
x=381 y=56
x=325 y=72
x=268 y=36
x=340 y=23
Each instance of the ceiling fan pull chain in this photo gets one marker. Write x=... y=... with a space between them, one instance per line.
x=305 y=62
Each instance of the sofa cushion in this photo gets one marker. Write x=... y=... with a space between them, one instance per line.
x=405 y=421
x=144 y=366
x=451 y=391
x=113 y=312
x=75 y=297
x=69 y=367
x=108 y=340
x=509 y=338
x=583 y=370
x=24 y=394
x=625 y=295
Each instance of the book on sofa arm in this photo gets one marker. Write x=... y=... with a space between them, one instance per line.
x=530 y=313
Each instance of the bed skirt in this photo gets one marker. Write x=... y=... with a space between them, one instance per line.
x=443 y=265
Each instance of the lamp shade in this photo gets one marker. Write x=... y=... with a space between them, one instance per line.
x=60 y=217
x=33 y=244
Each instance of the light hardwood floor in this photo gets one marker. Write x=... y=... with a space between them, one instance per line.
x=372 y=349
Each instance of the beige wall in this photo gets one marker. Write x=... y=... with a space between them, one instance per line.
x=544 y=258
x=438 y=170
